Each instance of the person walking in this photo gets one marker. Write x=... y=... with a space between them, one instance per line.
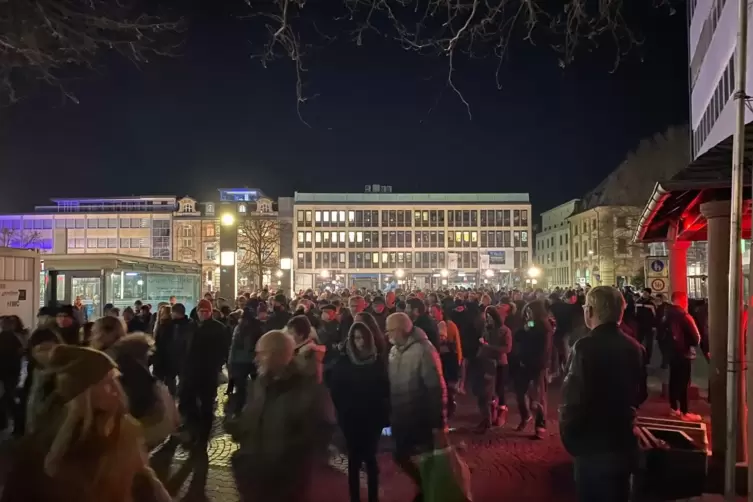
x=242 y=355
x=534 y=349
x=418 y=395
x=361 y=391
x=682 y=339
x=604 y=385
x=282 y=429
x=308 y=354
x=645 y=317
x=450 y=353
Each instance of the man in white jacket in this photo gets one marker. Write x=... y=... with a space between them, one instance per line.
x=417 y=393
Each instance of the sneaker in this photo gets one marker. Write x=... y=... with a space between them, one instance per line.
x=523 y=424
x=501 y=417
x=691 y=417
x=540 y=433
x=675 y=413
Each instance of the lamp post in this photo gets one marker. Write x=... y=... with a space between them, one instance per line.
x=287 y=264
x=228 y=252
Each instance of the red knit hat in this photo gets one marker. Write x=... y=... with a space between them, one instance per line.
x=205 y=305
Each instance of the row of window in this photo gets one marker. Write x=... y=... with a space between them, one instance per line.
x=705 y=38
x=396 y=259
x=549 y=257
x=209 y=230
x=549 y=242
x=724 y=89
x=409 y=218
x=109 y=243
x=78 y=223
x=417 y=239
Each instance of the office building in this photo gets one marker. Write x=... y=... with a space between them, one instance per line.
x=553 y=246
x=383 y=239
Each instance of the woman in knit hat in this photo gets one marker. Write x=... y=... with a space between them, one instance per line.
x=95 y=451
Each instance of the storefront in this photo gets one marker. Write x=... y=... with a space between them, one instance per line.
x=120 y=280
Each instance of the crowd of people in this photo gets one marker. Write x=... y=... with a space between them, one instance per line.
x=348 y=363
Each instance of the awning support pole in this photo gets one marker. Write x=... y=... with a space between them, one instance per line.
x=734 y=363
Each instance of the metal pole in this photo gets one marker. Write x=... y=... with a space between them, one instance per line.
x=733 y=314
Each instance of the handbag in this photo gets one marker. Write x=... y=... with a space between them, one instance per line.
x=445 y=477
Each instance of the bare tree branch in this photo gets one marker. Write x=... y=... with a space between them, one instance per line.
x=258 y=245
x=15 y=238
x=476 y=28
x=41 y=40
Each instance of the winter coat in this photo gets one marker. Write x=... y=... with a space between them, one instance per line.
x=680 y=332
x=310 y=358
x=450 y=352
x=11 y=355
x=498 y=344
x=418 y=394
x=285 y=424
x=131 y=353
x=245 y=337
x=207 y=352
x=361 y=394
x=170 y=346
x=428 y=326
x=278 y=320
x=605 y=383
x=95 y=469
x=534 y=347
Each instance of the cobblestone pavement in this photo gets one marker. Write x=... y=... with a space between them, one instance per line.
x=503 y=463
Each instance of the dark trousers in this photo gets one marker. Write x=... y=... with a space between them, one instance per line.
x=239 y=376
x=8 y=407
x=362 y=450
x=647 y=340
x=679 y=381
x=484 y=374
x=503 y=375
x=197 y=408
x=531 y=387
x=603 y=477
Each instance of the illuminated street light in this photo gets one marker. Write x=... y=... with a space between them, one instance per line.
x=324 y=274
x=278 y=273
x=489 y=272
x=400 y=273
x=444 y=272
x=534 y=272
x=534 y=281
x=590 y=252
x=227 y=219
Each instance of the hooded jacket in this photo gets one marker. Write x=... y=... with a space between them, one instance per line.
x=418 y=394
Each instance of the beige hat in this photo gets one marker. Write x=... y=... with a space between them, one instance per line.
x=77 y=368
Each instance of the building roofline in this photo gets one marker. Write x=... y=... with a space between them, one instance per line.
x=409 y=198
x=114 y=199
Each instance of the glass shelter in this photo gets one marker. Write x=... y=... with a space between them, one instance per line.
x=118 y=279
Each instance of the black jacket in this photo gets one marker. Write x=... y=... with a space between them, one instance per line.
x=645 y=315
x=429 y=327
x=207 y=351
x=277 y=320
x=679 y=332
x=361 y=395
x=605 y=384
x=170 y=346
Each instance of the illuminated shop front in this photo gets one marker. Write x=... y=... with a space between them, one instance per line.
x=120 y=280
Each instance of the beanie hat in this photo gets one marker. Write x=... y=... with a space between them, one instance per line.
x=77 y=369
x=66 y=310
x=204 y=304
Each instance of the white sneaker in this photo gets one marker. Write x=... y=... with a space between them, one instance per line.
x=691 y=417
x=675 y=413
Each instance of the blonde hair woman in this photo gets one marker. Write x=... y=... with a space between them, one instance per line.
x=95 y=451
x=106 y=332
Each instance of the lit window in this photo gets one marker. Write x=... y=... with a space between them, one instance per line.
x=300 y=237
x=375 y=257
x=458 y=236
x=334 y=237
x=308 y=236
x=359 y=236
x=334 y=216
x=241 y=208
x=318 y=237
x=351 y=237
x=466 y=236
x=474 y=236
x=308 y=216
x=318 y=216
x=351 y=216
x=342 y=216
x=342 y=236
x=326 y=216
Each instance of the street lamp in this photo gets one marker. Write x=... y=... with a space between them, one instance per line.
x=534 y=281
x=324 y=274
x=400 y=273
x=444 y=272
x=534 y=272
x=278 y=273
x=489 y=272
x=227 y=219
x=590 y=252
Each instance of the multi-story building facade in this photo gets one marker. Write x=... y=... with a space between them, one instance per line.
x=420 y=240
x=169 y=228
x=553 y=246
x=712 y=40
x=602 y=251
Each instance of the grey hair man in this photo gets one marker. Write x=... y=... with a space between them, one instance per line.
x=417 y=391
x=605 y=383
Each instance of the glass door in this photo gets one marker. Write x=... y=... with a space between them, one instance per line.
x=89 y=290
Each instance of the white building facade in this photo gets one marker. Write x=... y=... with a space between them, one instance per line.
x=382 y=240
x=553 y=246
x=712 y=41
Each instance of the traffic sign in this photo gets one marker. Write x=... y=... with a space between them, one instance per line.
x=657 y=266
x=658 y=285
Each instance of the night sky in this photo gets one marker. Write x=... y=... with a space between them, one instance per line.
x=213 y=117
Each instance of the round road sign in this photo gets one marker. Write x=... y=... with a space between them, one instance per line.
x=657 y=265
x=657 y=284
